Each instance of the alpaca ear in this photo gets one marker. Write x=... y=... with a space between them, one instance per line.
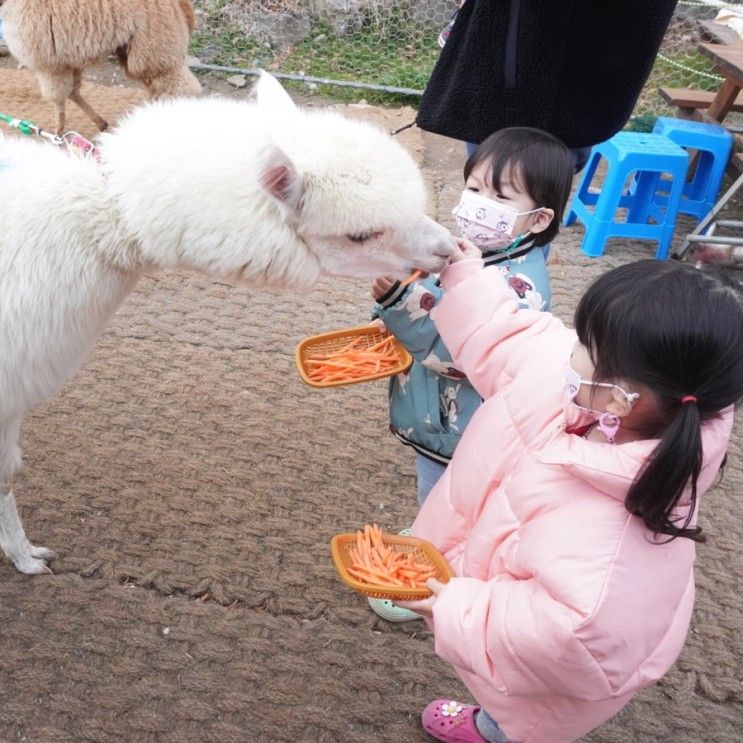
x=269 y=94
x=278 y=176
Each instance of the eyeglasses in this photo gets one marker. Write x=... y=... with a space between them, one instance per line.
x=573 y=381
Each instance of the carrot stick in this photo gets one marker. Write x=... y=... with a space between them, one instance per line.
x=413 y=276
x=354 y=361
x=373 y=561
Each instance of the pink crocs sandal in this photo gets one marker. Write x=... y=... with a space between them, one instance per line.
x=451 y=721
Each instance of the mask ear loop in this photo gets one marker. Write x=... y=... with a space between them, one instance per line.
x=609 y=423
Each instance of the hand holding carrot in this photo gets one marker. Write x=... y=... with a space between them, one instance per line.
x=466 y=250
x=381 y=286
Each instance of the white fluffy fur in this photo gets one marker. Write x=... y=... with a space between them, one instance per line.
x=261 y=193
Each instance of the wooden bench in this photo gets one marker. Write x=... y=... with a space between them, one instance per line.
x=691 y=99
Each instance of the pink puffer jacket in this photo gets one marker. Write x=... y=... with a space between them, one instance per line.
x=563 y=606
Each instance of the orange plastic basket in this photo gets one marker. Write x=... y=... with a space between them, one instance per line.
x=423 y=551
x=338 y=339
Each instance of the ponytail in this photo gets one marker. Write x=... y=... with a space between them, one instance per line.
x=678 y=332
x=674 y=464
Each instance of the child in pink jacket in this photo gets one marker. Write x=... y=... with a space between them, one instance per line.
x=568 y=512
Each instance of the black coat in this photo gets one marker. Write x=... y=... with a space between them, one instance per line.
x=574 y=68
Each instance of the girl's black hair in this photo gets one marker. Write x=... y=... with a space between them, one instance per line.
x=541 y=162
x=678 y=331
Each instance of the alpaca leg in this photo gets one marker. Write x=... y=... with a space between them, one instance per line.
x=178 y=82
x=75 y=97
x=24 y=555
x=56 y=88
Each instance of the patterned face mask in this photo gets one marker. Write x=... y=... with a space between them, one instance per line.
x=487 y=224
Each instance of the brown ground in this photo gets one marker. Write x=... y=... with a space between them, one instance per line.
x=190 y=483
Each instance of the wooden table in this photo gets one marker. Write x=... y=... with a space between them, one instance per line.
x=702 y=105
x=728 y=61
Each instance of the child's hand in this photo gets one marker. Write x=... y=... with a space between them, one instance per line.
x=466 y=250
x=379 y=325
x=424 y=607
x=381 y=286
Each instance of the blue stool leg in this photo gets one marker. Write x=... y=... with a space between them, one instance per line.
x=570 y=218
x=716 y=174
x=646 y=184
x=582 y=193
x=595 y=239
x=598 y=232
x=697 y=187
x=669 y=225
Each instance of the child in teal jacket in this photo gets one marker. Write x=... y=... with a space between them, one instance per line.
x=517 y=184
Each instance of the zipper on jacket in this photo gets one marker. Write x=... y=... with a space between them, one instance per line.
x=428 y=453
x=512 y=40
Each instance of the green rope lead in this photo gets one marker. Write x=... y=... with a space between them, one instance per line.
x=25 y=127
x=69 y=140
x=29 y=128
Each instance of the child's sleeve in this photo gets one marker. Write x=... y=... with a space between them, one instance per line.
x=484 y=327
x=518 y=638
x=406 y=312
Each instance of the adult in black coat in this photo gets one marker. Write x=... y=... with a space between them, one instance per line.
x=574 y=68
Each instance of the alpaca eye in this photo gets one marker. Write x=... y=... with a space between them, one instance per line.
x=362 y=237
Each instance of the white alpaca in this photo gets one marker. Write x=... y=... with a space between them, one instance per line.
x=261 y=193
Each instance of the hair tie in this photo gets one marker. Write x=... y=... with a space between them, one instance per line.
x=686 y=399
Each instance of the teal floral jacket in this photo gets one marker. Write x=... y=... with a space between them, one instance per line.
x=432 y=403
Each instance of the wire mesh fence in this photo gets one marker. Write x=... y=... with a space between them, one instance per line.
x=389 y=46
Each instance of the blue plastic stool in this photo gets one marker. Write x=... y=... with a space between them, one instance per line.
x=713 y=144
x=647 y=157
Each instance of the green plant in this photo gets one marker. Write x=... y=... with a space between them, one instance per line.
x=219 y=41
x=642 y=123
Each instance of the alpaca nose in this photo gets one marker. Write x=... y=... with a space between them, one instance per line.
x=448 y=249
x=445 y=244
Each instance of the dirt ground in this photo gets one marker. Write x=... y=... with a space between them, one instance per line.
x=191 y=483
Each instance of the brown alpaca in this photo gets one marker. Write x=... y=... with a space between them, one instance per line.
x=58 y=39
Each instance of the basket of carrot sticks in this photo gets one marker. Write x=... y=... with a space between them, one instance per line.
x=387 y=566
x=350 y=356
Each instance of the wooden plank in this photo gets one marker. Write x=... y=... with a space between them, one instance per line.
x=691 y=98
x=719 y=34
x=727 y=59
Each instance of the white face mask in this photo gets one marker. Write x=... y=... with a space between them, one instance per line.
x=608 y=423
x=486 y=223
